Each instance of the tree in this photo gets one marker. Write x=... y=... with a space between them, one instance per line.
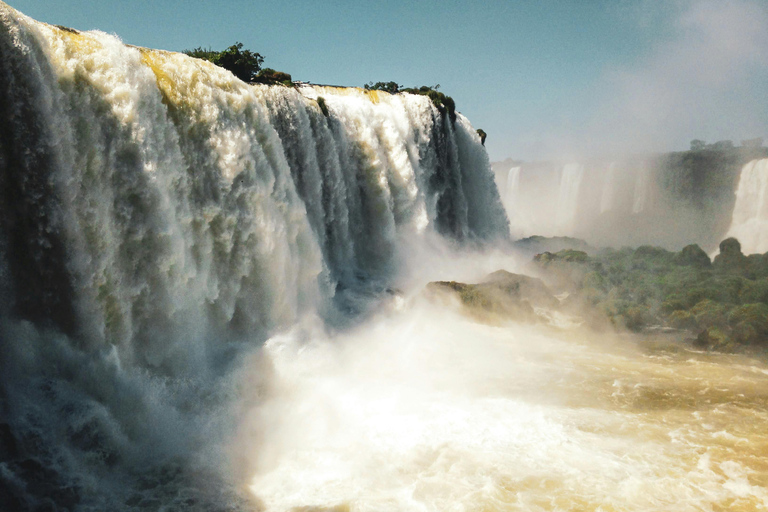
x=697 y=144
x=753 y=143
x=721 y=145
x=270 y=76
x=244 y=64
x=390 y=87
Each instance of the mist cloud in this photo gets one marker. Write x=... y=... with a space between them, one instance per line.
x=706 y=81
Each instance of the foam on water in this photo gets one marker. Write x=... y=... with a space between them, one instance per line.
x=424 y=410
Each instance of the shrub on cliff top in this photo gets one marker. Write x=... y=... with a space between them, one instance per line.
x=244 y=64
x=271 y=77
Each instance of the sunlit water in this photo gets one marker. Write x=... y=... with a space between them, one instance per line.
x=423 y=409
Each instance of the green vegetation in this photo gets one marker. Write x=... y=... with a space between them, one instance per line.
x=721 y=145
x=390 y=87
x=723 y=303
x=244 y=64
x=444 y=104
x=500 y=296
x=271 y=77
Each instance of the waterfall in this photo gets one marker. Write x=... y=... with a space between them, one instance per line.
x=608 y=194
x=166 y=186
x=641 y=190
x=513 y=186
x=568 y=196
x=158 y=212
x=750 y=214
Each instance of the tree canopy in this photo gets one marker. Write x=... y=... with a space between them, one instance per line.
x=390 y=87
x=244 y=64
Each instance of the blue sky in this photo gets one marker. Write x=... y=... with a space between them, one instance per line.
x=543 y=78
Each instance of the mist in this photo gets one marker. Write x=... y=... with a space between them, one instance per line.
x=424 y=408
x=705 y=80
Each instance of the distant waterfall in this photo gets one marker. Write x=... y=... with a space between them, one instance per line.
x=641 y=190
x=568 y=195
x=513 y=186
x=608 y=195
x=750 y=214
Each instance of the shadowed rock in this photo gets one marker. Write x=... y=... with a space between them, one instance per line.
x=730 y=259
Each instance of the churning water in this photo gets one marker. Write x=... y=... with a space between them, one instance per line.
x=422 y=409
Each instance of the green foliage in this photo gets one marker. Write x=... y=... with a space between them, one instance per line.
x=693 y=255
x=444 y=104
x=202 y=53
x=271 y=77
x=698 y=144
x=725 y=303
x=752 y=143
x=390 y=87
x=244 y=64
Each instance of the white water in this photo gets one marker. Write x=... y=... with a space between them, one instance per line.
x=641 y=190
x=568 y=196
x=513 y=185
x=750 y=214
x=608 y=194
x=423 y=410
x=161 y=218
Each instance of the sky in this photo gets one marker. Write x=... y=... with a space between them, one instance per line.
x=545 y=79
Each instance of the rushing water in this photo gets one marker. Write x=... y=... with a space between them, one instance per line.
x=568 y=196
x=750 y=214
x=211 y=300
x=425 y=410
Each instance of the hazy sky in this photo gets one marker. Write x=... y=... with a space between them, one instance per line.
x=543 y=78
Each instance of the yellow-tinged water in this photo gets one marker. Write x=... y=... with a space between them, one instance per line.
x=426 y=410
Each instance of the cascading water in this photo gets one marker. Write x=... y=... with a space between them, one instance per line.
x=641 y=190
x=158 y=215
x=513 y=185
x=568 y=196
x=608 y=194
x=750 y=214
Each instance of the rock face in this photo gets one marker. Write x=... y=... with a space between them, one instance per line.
x=501 y=295
x=730 y=259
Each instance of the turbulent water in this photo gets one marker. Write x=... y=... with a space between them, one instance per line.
x=211 y=300
x=424 y=410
